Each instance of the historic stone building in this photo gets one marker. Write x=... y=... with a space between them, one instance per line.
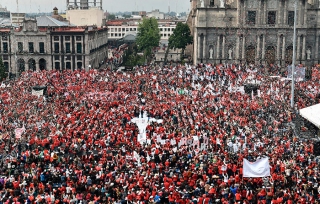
x=254 y=31
x=46 y=43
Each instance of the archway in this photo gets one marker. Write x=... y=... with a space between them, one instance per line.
x=21 y=66
x=270 y=55
x=289 y=54
x=42 y=64
x=250 y=54
x=32 y=64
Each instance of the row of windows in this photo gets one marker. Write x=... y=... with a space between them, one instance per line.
x=41 y=47
x=271 y=18
x=68 y=48
x=57 y=57
x=123 y=29
x=166 y=29
x=66 y=38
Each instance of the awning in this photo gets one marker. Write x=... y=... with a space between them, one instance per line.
x=312 y=114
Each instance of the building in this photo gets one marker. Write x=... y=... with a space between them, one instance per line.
x=17 y=19
x=85 y=13
x=4 y=13
x=119 y=28
x=156 y=14
x=251 y=31
x=46 y=43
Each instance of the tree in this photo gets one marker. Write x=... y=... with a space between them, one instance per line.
x=148 y=35
x=180 y=38
x=111 y=17
x=3 y=74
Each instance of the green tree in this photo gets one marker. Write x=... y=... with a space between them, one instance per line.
x=180 y=38
x=148 y=36
x=111 y=17
x=3 y=74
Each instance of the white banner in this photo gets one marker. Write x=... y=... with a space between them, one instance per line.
x=259 y=168
x=37 y=93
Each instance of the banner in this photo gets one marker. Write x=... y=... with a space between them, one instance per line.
x=37 y=93
x=299 y=73
x=259 y=168
x=18 y=132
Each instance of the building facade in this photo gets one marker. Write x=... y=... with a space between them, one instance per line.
x=38 y=47
x=118 y=29
x=254 y=31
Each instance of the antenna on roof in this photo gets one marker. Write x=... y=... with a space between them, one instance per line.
x=17 y=6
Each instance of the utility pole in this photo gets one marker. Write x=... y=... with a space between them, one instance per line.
x=293 y=54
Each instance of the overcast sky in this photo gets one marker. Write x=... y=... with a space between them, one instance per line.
x=27 y=6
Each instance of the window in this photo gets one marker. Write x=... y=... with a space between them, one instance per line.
x=6 y=66
x=5 y=47
x=68 y=65
x=20 y=47
x=79 y=57
x=4 y=38
x=251 y=18
x=5 y=57
x=57 y=65
x=56 y=38
x=56 y=47
x=41 y=47
x=31 y=48
x=116 y=34
x=79 y=48
x=78 y=38
x=56 y=57
x=68 y=48
x=160 y=29
x=211 y=2
x=271 y=17
x=111 y=34
x=67 y=38
x=123 y=29
x=290 y=18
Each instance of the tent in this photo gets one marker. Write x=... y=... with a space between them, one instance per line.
x=312 y=114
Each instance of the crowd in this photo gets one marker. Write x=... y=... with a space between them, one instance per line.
x=77 y=143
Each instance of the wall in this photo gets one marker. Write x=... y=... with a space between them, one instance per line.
x=93 y=16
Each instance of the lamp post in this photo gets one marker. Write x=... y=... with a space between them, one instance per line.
x=293 y=54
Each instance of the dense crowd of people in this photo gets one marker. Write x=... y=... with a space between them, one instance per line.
x=77 y=144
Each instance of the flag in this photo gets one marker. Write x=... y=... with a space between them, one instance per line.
x=18 y=132
x=311 y=2
x=259 y=168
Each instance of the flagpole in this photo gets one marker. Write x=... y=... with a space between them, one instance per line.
x=293 y=54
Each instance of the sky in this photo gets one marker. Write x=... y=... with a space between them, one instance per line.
x=34 y=6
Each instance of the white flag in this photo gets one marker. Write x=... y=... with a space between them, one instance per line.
x=259 y=168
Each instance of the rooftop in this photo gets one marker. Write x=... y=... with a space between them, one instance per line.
x=44 y=21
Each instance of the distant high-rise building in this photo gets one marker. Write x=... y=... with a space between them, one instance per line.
x=85 y=12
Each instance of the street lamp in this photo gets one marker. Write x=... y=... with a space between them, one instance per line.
x=293 y=54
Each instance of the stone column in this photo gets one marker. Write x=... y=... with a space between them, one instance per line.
x=223 y=45
x=304 y=47
x=263 y=46
x=237 y=47
x=283 y=48
x=264 y=12
x=305 y=13
x=259 y=13
x=285 y=14
x=316 y=48
x=204 y=47
x=300 y=16
x=238 y=11
x=199 y=46
x=279 y=11
x=258 y=47
x=218 y=48
x=278 y=48
x=298 y=48
x=195 y=47
x=243 y=49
